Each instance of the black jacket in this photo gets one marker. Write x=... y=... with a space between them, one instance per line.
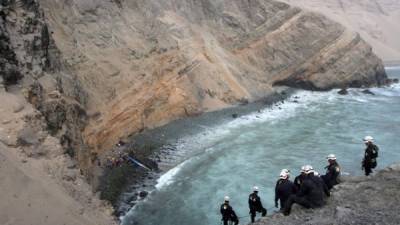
x=283 y=189
x=255 y=202
x=298 y=181
x=371 y=152
x=227 y=212
x=332 y=174
x=312 y=189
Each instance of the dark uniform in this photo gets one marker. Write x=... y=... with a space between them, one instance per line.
x=255 y=206
x=283 y=190
x=331 y=178
x=299 y=180
x=228 y=214
x=369 y=161
x=310 y=195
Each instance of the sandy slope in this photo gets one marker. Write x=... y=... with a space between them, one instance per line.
x=376 y=20
x=40 y=190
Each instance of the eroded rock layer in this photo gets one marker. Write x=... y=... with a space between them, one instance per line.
x=140 y=64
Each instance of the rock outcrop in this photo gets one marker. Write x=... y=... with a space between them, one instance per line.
x=375 y=20
x=102 y=70
x=145 y=63
x=359 y=200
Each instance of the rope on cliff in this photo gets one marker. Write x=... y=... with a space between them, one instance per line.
x=138 y=163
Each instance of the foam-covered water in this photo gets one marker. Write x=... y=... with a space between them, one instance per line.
x=230 y=158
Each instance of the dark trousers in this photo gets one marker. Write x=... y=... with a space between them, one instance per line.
x=253 y=213
x=327 y=181
x=295 y=199
x=234 y=221
x=368 y=170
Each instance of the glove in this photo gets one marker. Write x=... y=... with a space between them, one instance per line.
x=276 y=204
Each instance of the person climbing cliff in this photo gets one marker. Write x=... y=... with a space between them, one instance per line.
x=227 y=212
x=332 y=175
x=284 y=189
x=255 y=205
x=371 y=153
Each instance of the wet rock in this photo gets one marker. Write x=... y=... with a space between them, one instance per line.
x=343 y=91
x=395 y=81
x=143 y=194
x=235 y=115
x=368 y=92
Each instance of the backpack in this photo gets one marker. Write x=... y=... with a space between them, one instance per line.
x=375 y=151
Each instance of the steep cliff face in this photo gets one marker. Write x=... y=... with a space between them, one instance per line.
x=375 y=20
x=145 y=63
x=102 y=70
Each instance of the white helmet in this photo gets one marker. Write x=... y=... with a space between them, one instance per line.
x=308 y=169
x=255 y=188
x=284 y=174
x=368 y=139
x=226 y=198
x=331 y=157
x=286 y=171
x=303 y=169
x=316 y=173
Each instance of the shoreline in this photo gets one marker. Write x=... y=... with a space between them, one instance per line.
x=159 y=141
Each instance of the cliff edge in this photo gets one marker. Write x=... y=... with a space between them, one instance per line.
x=358 y=200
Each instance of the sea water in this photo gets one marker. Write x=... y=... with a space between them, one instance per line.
x=230 y=158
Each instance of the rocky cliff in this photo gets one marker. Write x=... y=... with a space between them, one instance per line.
x=359 y=200
x=102 y=70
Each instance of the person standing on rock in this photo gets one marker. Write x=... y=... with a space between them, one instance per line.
x=310 y=195
x=370 y=155
x=299 y=179
x=284 y=189
x=255 y=205
x=227 y=212
x=332 y=176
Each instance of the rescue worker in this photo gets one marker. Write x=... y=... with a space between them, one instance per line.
x=255 y=205
x=311 y=193
x=332 y=175
x=370 y=155
x=299 y=179
x=284 y=189
x=228 y=214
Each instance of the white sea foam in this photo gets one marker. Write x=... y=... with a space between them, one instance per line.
x=392 y=68
x=168 y=177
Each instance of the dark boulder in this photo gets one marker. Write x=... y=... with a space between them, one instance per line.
x=343 y=92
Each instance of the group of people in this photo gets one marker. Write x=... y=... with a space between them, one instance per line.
x=309 y=189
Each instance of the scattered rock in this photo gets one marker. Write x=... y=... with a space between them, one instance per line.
x=69 y=175
x=235 y=115
x=343 y=91
x=368 y=92
x=6 y=121
x=28 y=136
x=18 y=107
x=395 y=81
x=143 y=194
x=70 y=164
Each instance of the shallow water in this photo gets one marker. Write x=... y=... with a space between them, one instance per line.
x=230 y=158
